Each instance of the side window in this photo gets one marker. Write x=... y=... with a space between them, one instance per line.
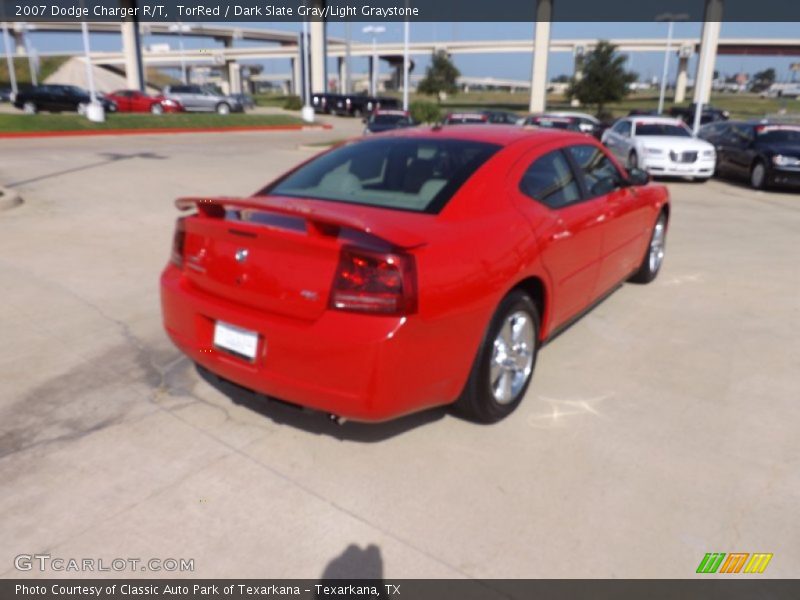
x=550 y=181
x=600 y=175
x=622 y=128
x=743 y=134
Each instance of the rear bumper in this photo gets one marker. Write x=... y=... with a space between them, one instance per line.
x=363 y=367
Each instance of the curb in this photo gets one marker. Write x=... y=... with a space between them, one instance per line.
x=9 y=199
x=159 y=131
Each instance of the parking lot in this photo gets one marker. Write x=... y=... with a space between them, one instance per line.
x=662 y=426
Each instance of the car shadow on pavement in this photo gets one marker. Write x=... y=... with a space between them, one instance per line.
x=318 y=422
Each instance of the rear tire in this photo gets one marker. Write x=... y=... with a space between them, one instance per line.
x=654 y=257
x=504 y=365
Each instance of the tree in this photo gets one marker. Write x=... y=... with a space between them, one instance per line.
x=763 y=79
x=440 y=76
x=604 y=77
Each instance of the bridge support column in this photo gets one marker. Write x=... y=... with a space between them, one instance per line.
x=682 y=79
x=577 y=72
x=541 y=48
x=341 y=63
x=18 y=38
x=297 y=76
x=319 y=75
x=708 y=51
x=372 y=86
x=233 y=75
x=132 y=50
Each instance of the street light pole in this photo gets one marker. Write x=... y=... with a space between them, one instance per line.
x=308 y=111
x=374 y=30
x=666 y=69
x=670 y=18
x=405 y=64
x=12 y=74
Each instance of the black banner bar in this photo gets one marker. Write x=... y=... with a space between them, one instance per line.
x=711 y=588
x=391 y=10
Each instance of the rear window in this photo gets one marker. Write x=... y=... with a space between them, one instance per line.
x=380 y=119
x=418 y=175
x=662 y=129
x=779 y=134
x=461 y=119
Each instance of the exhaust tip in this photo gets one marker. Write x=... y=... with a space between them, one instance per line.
x=337 y=419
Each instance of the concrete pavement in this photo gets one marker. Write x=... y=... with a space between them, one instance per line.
x=662 y=426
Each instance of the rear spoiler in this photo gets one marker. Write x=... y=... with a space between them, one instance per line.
x=319 y=219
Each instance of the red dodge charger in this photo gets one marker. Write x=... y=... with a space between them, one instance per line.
x=136 y=101
x=413 y=269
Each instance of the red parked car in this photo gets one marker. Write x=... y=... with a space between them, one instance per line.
x=419 y=268
x=136 y=101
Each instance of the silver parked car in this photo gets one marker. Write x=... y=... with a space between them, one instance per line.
x=203 y=98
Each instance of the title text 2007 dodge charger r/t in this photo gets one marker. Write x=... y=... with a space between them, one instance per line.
x=413 y=269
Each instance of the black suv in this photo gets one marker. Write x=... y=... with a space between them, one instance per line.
x=709 y=114
x=58 y=98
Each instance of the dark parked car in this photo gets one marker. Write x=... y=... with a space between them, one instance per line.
x=325 y=103
x=465 y=118
x=709 y=114
x=357 y=105
x=385 y=120
x=765 y=153
x=553 y=122
x=58 y=98
x=501 y=117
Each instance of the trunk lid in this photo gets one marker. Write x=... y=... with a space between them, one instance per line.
x=280 y=255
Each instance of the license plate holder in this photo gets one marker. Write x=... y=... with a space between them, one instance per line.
x=236 y=340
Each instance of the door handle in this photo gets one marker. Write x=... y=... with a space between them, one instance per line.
x=561 y=235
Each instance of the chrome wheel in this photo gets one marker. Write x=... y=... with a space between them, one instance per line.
x=758 y=175
x=512 y=357
x=29 y=108
x=223 y=109
x=157 y=109
x=657 y=244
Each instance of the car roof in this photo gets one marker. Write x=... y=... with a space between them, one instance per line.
x=502 y=135
x=569 y=113
x=655 y=119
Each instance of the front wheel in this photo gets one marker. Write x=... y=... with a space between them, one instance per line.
x=504 y=366
x=223 y=108
x=758 y=176
x=30 y=108
x=633 y=160
x=651 y=264
x=157 y=109
x=82 y=107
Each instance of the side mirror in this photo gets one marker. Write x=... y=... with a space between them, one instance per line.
x=638 y=176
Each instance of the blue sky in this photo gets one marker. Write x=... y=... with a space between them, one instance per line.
x=516 y=66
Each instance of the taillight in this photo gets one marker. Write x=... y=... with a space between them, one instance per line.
x=375 y=282
x=178 y=241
